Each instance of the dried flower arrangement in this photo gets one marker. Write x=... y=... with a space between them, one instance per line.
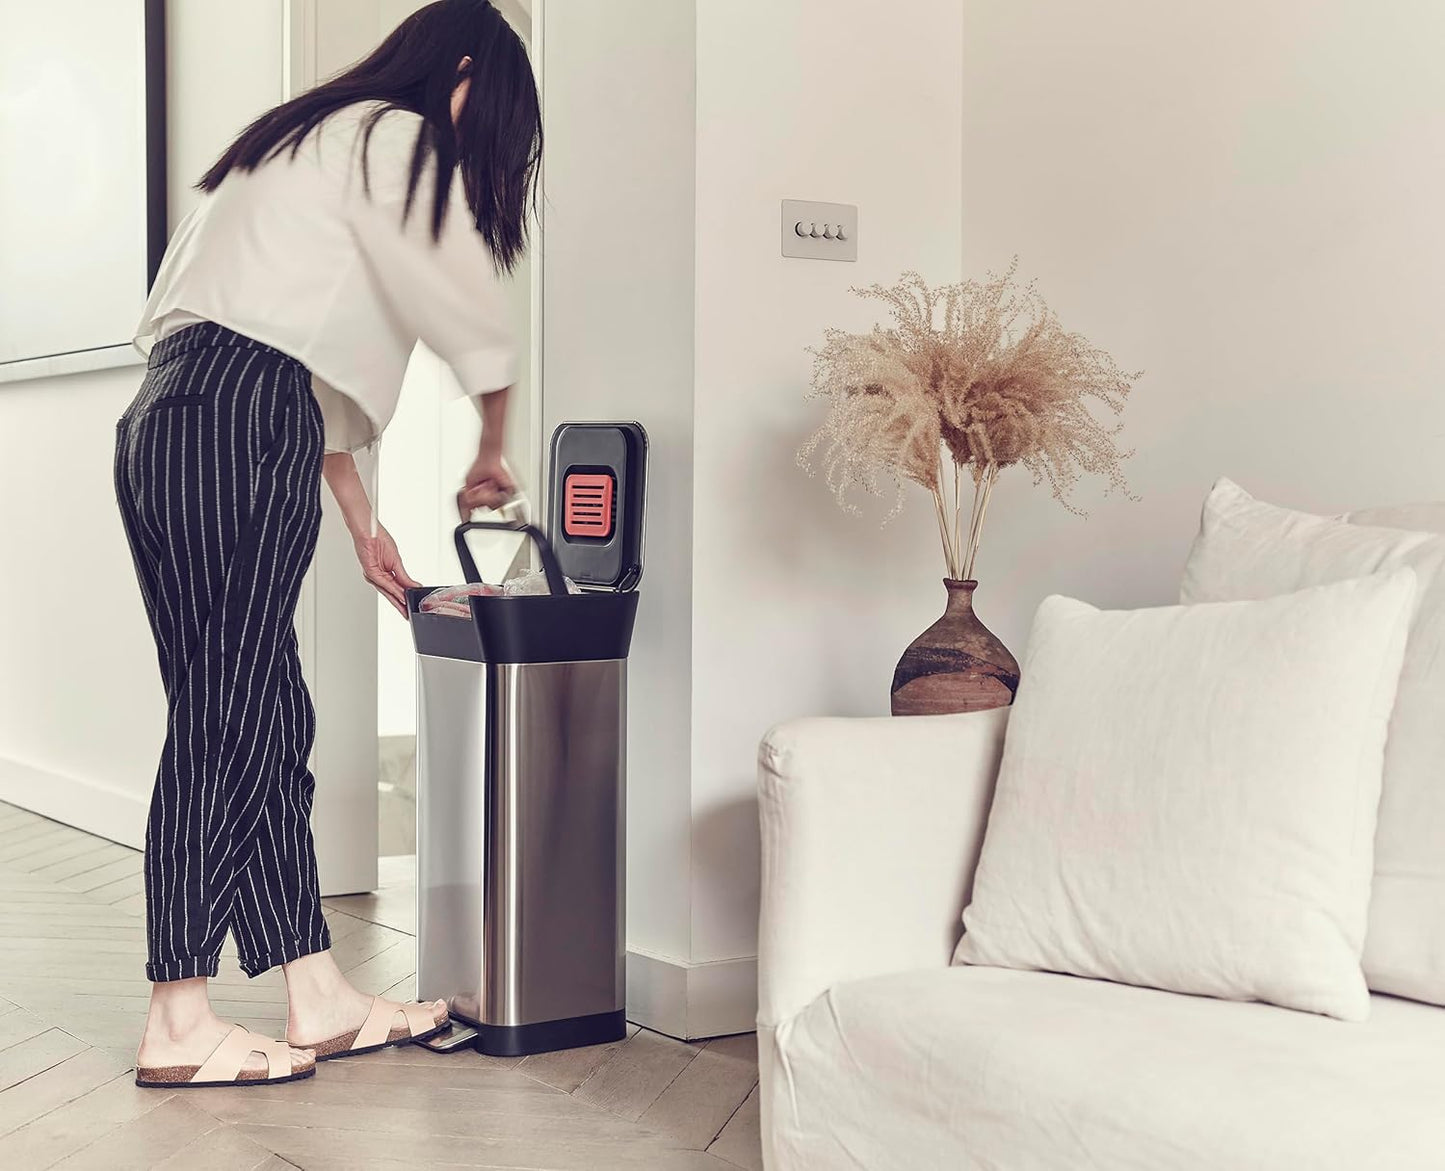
x=980 y=375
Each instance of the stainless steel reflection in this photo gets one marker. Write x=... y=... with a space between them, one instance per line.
x=450 y=822
x=520 y=815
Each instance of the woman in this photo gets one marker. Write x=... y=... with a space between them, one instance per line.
x=340 y=227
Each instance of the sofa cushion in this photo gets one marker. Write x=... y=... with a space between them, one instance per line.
x=1249 y=549
x=989 y=1068
x=1187 y=796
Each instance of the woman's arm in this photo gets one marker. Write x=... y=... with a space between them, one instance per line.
x=376 y=551
x=488 y=482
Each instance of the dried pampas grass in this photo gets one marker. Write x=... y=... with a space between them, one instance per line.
x=980 y=375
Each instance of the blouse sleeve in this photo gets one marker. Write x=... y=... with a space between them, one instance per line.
x=447 y=291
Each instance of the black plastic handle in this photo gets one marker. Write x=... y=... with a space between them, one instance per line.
x=556 y=583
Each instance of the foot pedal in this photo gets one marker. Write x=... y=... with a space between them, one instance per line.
x=449 y=1040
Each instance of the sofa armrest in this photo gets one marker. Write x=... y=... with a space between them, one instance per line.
x=871 y=830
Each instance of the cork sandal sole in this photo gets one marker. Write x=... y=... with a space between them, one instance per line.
x=344 y=1045
x=178 y=1077
x=226 y=1066
x=396 y=1039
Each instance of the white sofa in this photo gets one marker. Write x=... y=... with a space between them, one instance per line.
x=876 y=1054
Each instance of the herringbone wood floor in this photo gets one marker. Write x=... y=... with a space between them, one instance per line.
x=73 y=996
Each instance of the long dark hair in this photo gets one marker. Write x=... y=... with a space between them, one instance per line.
x=496 y=142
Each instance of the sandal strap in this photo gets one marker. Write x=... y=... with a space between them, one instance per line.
x=226 y=1060
x=278 y=1057
x=376 y=1029
x=420 y=1018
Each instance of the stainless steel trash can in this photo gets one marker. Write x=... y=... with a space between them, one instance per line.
x=521 y=770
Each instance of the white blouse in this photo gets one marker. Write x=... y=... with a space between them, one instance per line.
x=296 y=255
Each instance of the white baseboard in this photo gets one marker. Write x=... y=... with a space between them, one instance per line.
x=89 y=805
x=690 y=1001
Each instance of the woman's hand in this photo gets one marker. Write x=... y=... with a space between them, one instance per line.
x=489 y=483
x=380 y=562
x=381 y=566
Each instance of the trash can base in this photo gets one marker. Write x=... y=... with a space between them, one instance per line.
x=547 y=1036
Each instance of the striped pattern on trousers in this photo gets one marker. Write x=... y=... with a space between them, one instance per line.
x=217 y=472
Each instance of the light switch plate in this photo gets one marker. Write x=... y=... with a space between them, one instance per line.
x=820 y=231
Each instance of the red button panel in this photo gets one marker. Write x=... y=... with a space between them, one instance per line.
x=587 y=505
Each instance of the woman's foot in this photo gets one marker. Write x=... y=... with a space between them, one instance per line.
x=182 y=1030
x=322 y=1004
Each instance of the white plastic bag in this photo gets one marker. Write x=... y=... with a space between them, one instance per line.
x=529 y=584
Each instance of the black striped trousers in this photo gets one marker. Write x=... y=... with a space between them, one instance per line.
x=217 y=471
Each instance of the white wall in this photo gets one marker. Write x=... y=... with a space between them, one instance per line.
x=666 y=299
x=1245 y=201
x=617 y=344
x=798 y=608
x=81 y=709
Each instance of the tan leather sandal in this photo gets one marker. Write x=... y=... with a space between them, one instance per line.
x=379 y=1031
x=224 y=1067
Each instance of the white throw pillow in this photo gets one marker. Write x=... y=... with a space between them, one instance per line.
x=1187 y=795
x=1249 y=549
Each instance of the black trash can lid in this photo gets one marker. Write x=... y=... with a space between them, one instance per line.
x=597 y=496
